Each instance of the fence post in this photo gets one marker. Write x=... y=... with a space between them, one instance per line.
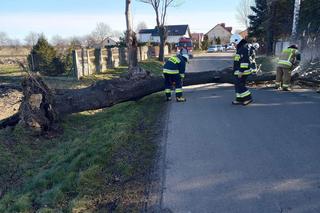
x=110 y=60
x=123 y=56
x=116 y=57
x=89 y=70
x=76 y=65
x=98 y=59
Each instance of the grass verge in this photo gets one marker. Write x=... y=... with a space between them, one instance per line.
x=99 y=164
x=152 y=65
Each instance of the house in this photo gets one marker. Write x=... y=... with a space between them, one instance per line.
x=220 y=31
x=108 y=42
x=197 y=38
x=145 y=35
x=174 y=33
x=111 y=41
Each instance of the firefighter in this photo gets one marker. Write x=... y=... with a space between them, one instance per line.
x=252 y=53
x=289 y=59
x=241 y=69
x=174 y=72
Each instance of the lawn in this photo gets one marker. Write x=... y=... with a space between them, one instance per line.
x=101 y=162
x=12 y=74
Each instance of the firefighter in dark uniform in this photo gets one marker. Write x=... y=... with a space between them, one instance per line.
x=174 y=72
x=241 y=68
x=252 y=56
x=289 y=59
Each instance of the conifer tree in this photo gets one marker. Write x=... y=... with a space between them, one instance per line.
x=44 y=58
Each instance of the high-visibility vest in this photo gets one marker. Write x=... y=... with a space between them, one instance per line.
x=287 y=57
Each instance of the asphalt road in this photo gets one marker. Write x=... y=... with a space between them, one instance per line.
x=260 y=158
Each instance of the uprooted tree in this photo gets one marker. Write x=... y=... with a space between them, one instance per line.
x=42 y=108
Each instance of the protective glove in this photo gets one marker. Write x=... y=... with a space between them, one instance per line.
x=182 y=76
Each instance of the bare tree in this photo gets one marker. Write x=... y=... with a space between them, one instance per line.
x=101 y=32
x=296 y=13
x=117 y=33
x=142 y=25
x=243 y=11
x=58 y=41
x=160 y=8
x=87 y=41
x=4 y=39
x=131 y=40
x=76 y=42
x=14 y=43
x=31 y=39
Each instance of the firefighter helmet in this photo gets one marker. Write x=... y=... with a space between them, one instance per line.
x=294 y=46
x=256 y=46
x=186 y=56
x=235 y=38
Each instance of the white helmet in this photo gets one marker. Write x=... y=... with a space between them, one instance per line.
x=186 y=56
x=256 y=46
x=235 y=38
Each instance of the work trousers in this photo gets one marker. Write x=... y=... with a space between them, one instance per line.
x=173 y=82
x=283 y=77
x=242 y=92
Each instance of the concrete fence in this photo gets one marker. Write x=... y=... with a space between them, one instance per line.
x=93 y=61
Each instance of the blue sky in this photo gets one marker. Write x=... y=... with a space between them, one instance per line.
x=79 y=17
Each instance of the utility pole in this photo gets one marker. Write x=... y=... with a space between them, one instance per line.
x=295 y=19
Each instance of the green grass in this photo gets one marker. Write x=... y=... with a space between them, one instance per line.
x=12 y=74
x=152 y=65
x=100 y=162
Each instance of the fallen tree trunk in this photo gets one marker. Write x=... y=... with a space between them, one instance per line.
x=41 y=108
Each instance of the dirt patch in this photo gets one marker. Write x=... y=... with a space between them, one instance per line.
x=10 y=100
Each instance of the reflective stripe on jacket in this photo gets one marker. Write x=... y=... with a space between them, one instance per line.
x=175 y=65
x=288 y=57
x=241 y=62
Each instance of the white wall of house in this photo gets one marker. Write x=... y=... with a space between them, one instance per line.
x=110 y=42
x=220 y=32
x=170 y=39
x=144 y=38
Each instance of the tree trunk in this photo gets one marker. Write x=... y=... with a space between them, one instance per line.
x=162 y=34
x=41 y=108
x=131 y=40
x=270 y=30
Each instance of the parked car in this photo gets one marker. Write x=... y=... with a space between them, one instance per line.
x=216 y=48
x=212 y=48
x=231 y=47
x=221 y=48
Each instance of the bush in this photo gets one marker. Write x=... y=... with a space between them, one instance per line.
x=43 y=58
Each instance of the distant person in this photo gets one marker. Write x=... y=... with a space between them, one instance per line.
x=253 y=54
x=288 y=61
x=183 y=50
x=241 y=68
x=174 y=72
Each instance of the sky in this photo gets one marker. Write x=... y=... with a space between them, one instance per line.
x=69 y=18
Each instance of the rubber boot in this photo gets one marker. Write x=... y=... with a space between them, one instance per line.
x=181 y=99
